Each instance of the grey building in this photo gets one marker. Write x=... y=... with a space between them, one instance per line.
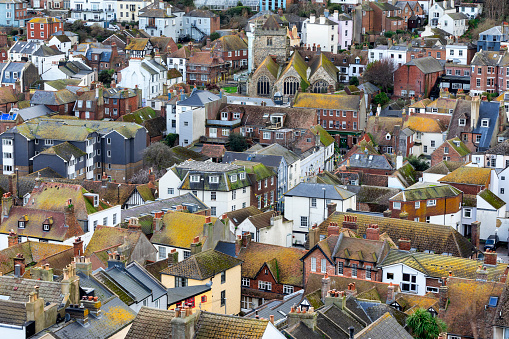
x=89 y=148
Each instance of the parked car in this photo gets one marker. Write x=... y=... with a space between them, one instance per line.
x=491 y=243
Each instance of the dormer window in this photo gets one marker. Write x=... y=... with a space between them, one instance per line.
x=388 y=136
x=233 y=177
x=357 y=60
x=242 y=175
x=214 y=179
x=22 y=223
x=462 y=122
x=224 y=115
x=195 y=178
x=45 y=227
x=485 y=123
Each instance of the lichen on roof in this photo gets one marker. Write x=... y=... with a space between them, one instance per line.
x=491 y=198
x=468 y=175
x=141 y=115
x=325 y=138
x=300 y=66
x=459 y=146
x=258 y=169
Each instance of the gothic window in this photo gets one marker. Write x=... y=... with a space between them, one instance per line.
x=291 y=84
x=320 y=86
x=263 y=86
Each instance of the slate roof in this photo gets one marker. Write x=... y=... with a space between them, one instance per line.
x=283 y=262
x=189 y=200
x=278 y=308
x=53 y=98
x=179 y=294
x=437 y=266
x=468 y=175
x=423 y=236
x=32 y=112
x=133 y=285
x=151 y=323
x=361 y=160
x=115 y=316
x=46 y=51
x=65 y=151
x=273 y=161
x=501 y=148
x=317 y=191
x=445 y=167
x=384 y=327
x=487 y=110
x=202 y=265
x=219 y=326
x=237 y=217
x=425 y=191
x=426 y=65
x=13 y=313
x=105 y=237
x=198 y=98
x=18 y=289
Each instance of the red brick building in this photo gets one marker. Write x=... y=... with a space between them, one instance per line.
x=61 y=102
x=120 y=101
x=346 y=256
x=263 y=184
x=379 y=17
x=205 y=68
x=490 y=72
x=233 y=50
x=268 y=271
x=417 y=77
x=451 y=150
x=43 y=28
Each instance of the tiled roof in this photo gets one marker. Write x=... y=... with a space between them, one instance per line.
x=13 y=313
x=491 y=198
x=299 y=65
x=384 y=327
x=113 y=287
x=140 y=274
x=360 y=249
x=317 y=191
x=45 y=20
x=501 y=148
x=202 y=265
x=425 y=191
x=263 y=220
x=426 y=65
x=133 y=285
x=424 y=125
x=468 y=175
x=7 y=95
x=327 y=101
x=205 y=58
x=237 y=217
x=189 y=200
x=105 y=237
x=213 y=151
x=219 y=326
x=437 y=266
x=423 y=236
x=65 y=151
x=322 y=62
x=325 y=138
x=18 y=289
x=229 y=43
x=151 y=323
x=277 y=308
x=201 y=13
x=411 y=302
x=362 y=160
x=111 y=191
x=53 y=98
x=283 y=262
x=445 y=167
x=180 y=229
x=228 y=176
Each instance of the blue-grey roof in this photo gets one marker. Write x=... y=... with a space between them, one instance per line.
x=198 y=98
x=128 y=283
x=226 y=248
x=368 y=88
x=267 y=160
x=33 y=112
x=89 y=283
x=104 y=52
x=115 y=316
x=46 y=51
x=253 y=100
x=192 y=203
x=332 y=192
x=11 y=68
x=278 y=308
x=369 y=161
x=487 y=110
x=25 y=47
x=147 y=279
x=181 y=293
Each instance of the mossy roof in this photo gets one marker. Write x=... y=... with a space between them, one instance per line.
x=323 y=62
x=32 y=251
x=327 y=101
x=270 y=65
x=258 y=169
x=468 y=175
x=146 y=192
x=180 y=228
x=424 y=124
x=105 y=237
x=424 y=191
x=325 y=138
x=203 y=265
x=491 y=198
x=459 y=146
x=140 y=116
x=65 y=151
x=300 y=66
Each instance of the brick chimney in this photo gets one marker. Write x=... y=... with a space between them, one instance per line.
x=92 y=304
x=157 y=222
x=313 y=236
x=7 y=202
x=443 y=295
x=133 y=224
x=83 y=265
x=391 y=296
x=12 y=239
x=350 y=222
x=373 y=232
x=325 y=285
x=19 y=265
x=481 y=274
x=13 y=187
x=78 y=247
x=331 y=208
x=405 y=244
x=490 y=258
x=238 y=244
x=475 y=228
x=151 y=176
x=300 y=314
x=78 y=312
x=246 y=239
x=352 y=290
x=196 y=246
x=332 y=229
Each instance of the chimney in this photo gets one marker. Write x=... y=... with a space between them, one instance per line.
x=83 y=265
x=390 y=293
x=196 y=246
x=134 y=224
x=7 y=201
x=332 y=229
x=182 y=325
x=352 y=290
x=12 y=239
x=443 y=295
x=481 y=274
x=299 y=314
x=280 y=11
x=157 y=222
x=116 y=260
x=151 y=176
x=405 y=244
x=373 y=232
x=475 y=104
x=79 y=313
x=93 y=305
x=350 y=222
x=19 y=265
x=113 y=84
x=331 y=208
x=238 y=244
x=246 y=239
x=13 y=187
x=322 y=20
x=208 y=43
x=351 y=331
x=475 y=228
x=490 y=258
x=312 y=20
x=104 y=180
x=207 y=219
x=313 y=236
x=325 y=285
x=78 y=247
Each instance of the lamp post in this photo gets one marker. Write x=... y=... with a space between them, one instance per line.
x=17 y=186
x=324 y=205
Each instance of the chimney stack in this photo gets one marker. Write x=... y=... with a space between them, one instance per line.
x=196 y=246
x=78 y=247
x=19 y=265
x=332 y=229
x=475 y=229
x=78 y=312
x=7 y=202
x=158 y=221
x=350 y=222
x=134 y=224
x=331 y=208
x=299 y=314
x=490 y=258
x=313 y=236
x=481 y=274
x=12 y=239
x=238 y=244
x=246 y=239
x=373 y=232
x=325 y=285
x=13 y=187
x=83 y=265
x=405 y=244
x=93 y=305
x=391 y=296
x=443 y=295
x=182 y=325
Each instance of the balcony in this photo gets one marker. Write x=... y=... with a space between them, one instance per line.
x=77 y=10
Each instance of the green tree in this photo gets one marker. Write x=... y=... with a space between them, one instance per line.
x=354 y=81
x=214 y=36
x=170 y=139
x=237 y=142
x=424 y=326
x=381 y=98
x=106 y=76
x=417 y=163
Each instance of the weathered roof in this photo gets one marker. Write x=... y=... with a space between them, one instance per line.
x=270 y=65
x=425 y=191
x=18 y=289
x=384 y=327
x=53 y=98
x=459 y=146
x=491 y=198
x=426 y=65
x=237 y=217
x=219 y=326
x=202 y=265
x=65 y=151
x=259 y=170
x=13 y=313
x=362 y=160
x=445 y=167
x=327 y=101
x=424 y=124
x=229 y=43
x=300 y=66
x=7 y=95
x=151 y=323
x=501 y=148
x=140 y=274
x=317 y=191
x=468 y=175
x=199 y=98
x=283 y=262
x=179 y=294
x=213 y=151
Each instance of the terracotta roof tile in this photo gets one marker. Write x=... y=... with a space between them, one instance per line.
x=212 y=326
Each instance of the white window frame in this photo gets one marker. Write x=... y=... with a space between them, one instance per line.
x=313 y=264
x=431 y=203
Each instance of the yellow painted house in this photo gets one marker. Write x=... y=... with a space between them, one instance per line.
x=209 y=281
